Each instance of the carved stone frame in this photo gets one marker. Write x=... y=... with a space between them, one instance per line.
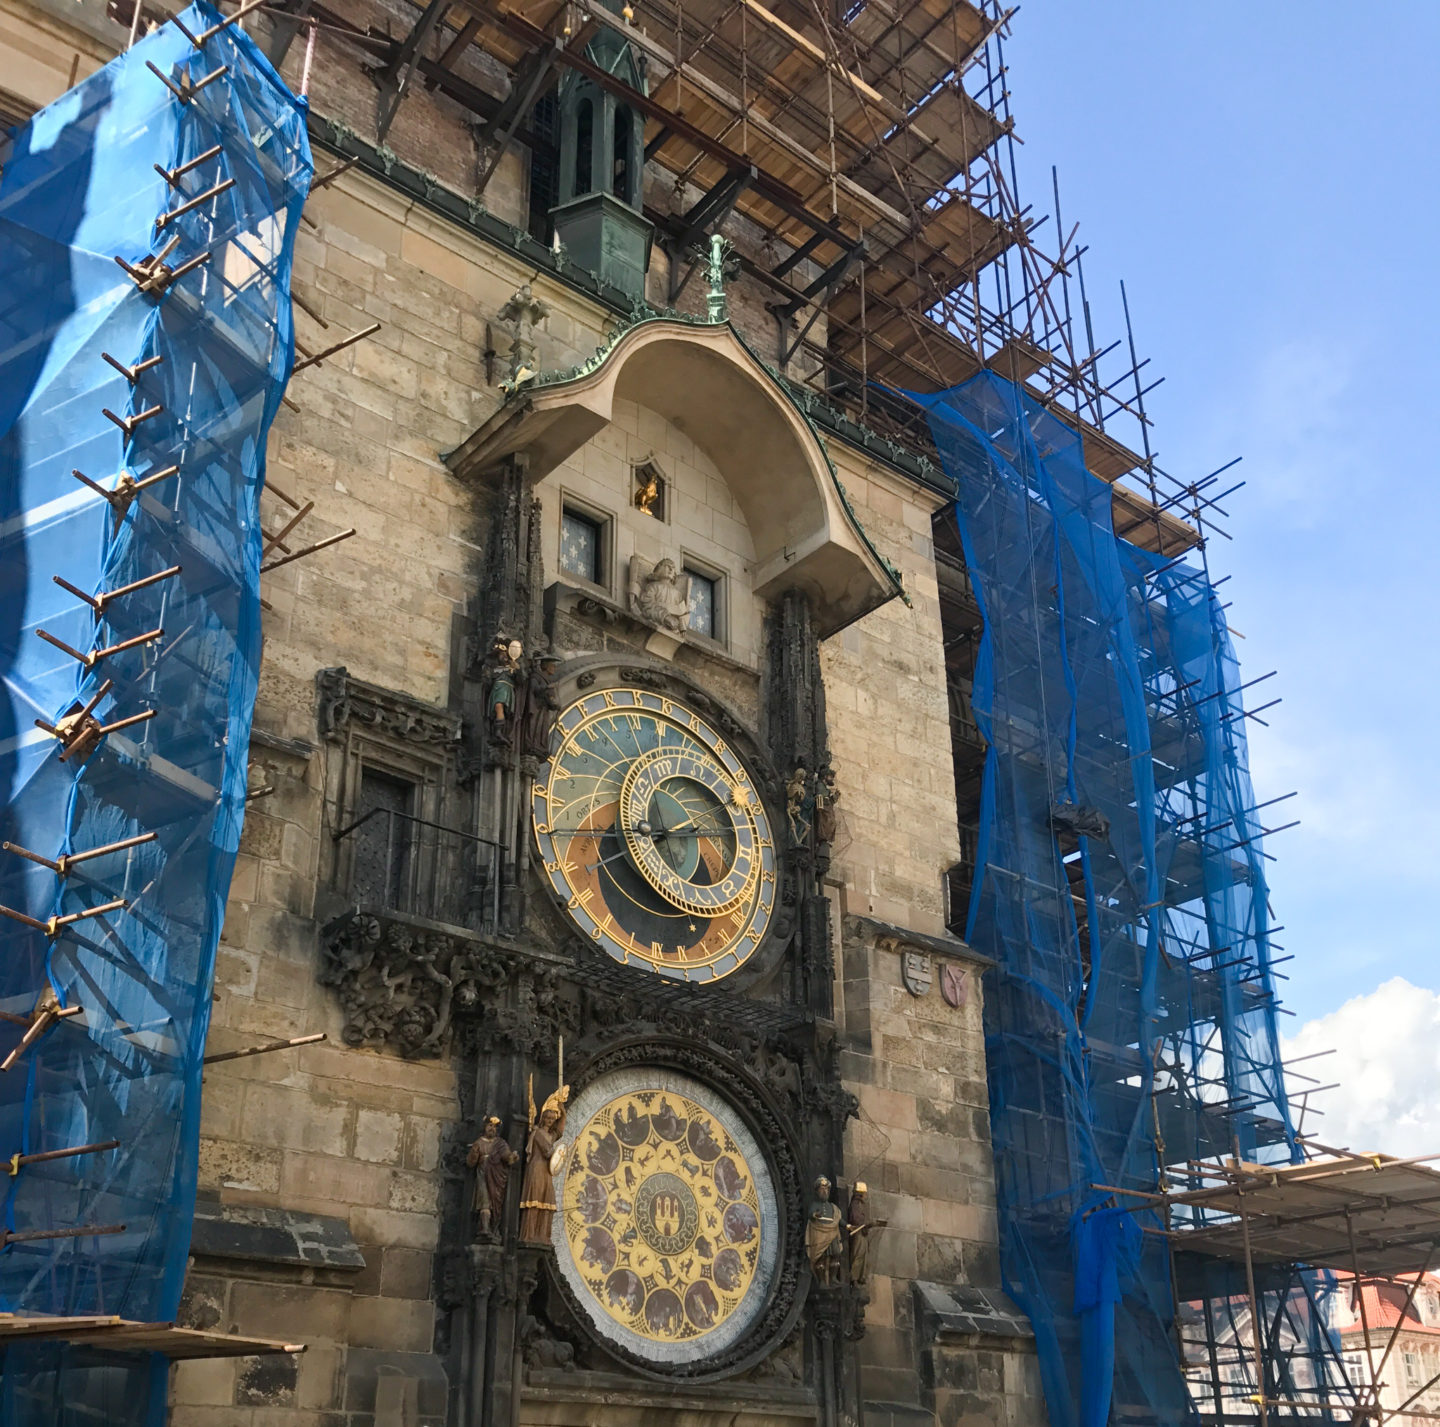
x=364 y=725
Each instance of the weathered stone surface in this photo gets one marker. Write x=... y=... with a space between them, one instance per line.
x=261 y=1235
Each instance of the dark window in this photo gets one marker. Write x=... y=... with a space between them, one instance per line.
x=580 y=541
x=704 y=597
x=623 y=133
x=383 y=840
x=544 y=167
x=584 y=142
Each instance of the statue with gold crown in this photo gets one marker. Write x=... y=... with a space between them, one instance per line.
x=544 y=1154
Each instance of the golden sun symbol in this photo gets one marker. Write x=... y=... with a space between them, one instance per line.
x=740 y=796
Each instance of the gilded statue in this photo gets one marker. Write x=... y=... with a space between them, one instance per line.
x=505 y=672
x=544 y=1154
x=647 y=490
x=860 y=1226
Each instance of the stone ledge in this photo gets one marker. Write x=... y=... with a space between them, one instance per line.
x=903 y=939
x=273 y=1236
x=292 y=747
x=956 y=1311
x=772 y=1400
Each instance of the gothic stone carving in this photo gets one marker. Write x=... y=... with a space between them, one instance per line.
x=407 y=988
x=345 y=702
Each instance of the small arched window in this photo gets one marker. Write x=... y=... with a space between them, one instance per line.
x=621 y=176
x=584 y=144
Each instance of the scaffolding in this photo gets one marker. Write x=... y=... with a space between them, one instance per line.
x=147 y=221
x=1181 y=1252
x=1114 y=863
x=872 y=148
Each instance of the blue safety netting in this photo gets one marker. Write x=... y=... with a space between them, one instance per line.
x=207 y=361
x=1120 y=887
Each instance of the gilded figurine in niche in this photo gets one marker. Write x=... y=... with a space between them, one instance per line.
x=822 y=1235
x=505 y=673
x=544 y=1154
x=649 y=496
x=490 y=1157
x=660 y=594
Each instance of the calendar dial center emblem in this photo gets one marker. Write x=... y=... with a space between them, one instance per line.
x=653 y=834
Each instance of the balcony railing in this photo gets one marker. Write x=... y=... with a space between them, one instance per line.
x=399 y=863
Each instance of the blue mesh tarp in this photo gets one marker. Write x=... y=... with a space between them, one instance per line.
x=1120 y=887
x=207 y=359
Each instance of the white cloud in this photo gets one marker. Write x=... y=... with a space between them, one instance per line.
x=1387 y=1062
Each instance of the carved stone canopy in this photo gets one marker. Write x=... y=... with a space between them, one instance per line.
x=709 y=385
x=344 y=702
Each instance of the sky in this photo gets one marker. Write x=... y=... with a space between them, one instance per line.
x=1263 y=178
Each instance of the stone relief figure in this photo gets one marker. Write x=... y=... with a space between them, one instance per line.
x=822 y=1235
x=490 y=1157
x=500 y=703
x=860 y=1227
x=544 y=1154
x=521 y=315
x=541 y=706
x=660 y=594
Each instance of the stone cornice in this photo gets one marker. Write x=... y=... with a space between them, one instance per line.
x=889 y=937
x=344 y=701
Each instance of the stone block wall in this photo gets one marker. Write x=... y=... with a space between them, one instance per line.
x=325 y=1128
x=889 y=720
x=916 y=1064
x=358 y=1135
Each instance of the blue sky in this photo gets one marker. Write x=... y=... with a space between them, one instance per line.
x=1263 y=177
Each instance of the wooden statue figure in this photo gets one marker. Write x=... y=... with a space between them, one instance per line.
x=544 y=1154
x=490 y=1157
x=827 y=820
x=861 y=1226
x=822 y=1235
x=541 y=706
x=505 y=661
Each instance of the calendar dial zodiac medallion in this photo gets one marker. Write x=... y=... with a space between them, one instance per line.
x=654 y=836
x=667 y=1225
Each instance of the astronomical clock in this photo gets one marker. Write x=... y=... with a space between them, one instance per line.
x=653 y=834
x=641 y=1005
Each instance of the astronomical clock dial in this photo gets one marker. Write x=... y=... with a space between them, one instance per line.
x=653 y=834
x=667 y=1230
